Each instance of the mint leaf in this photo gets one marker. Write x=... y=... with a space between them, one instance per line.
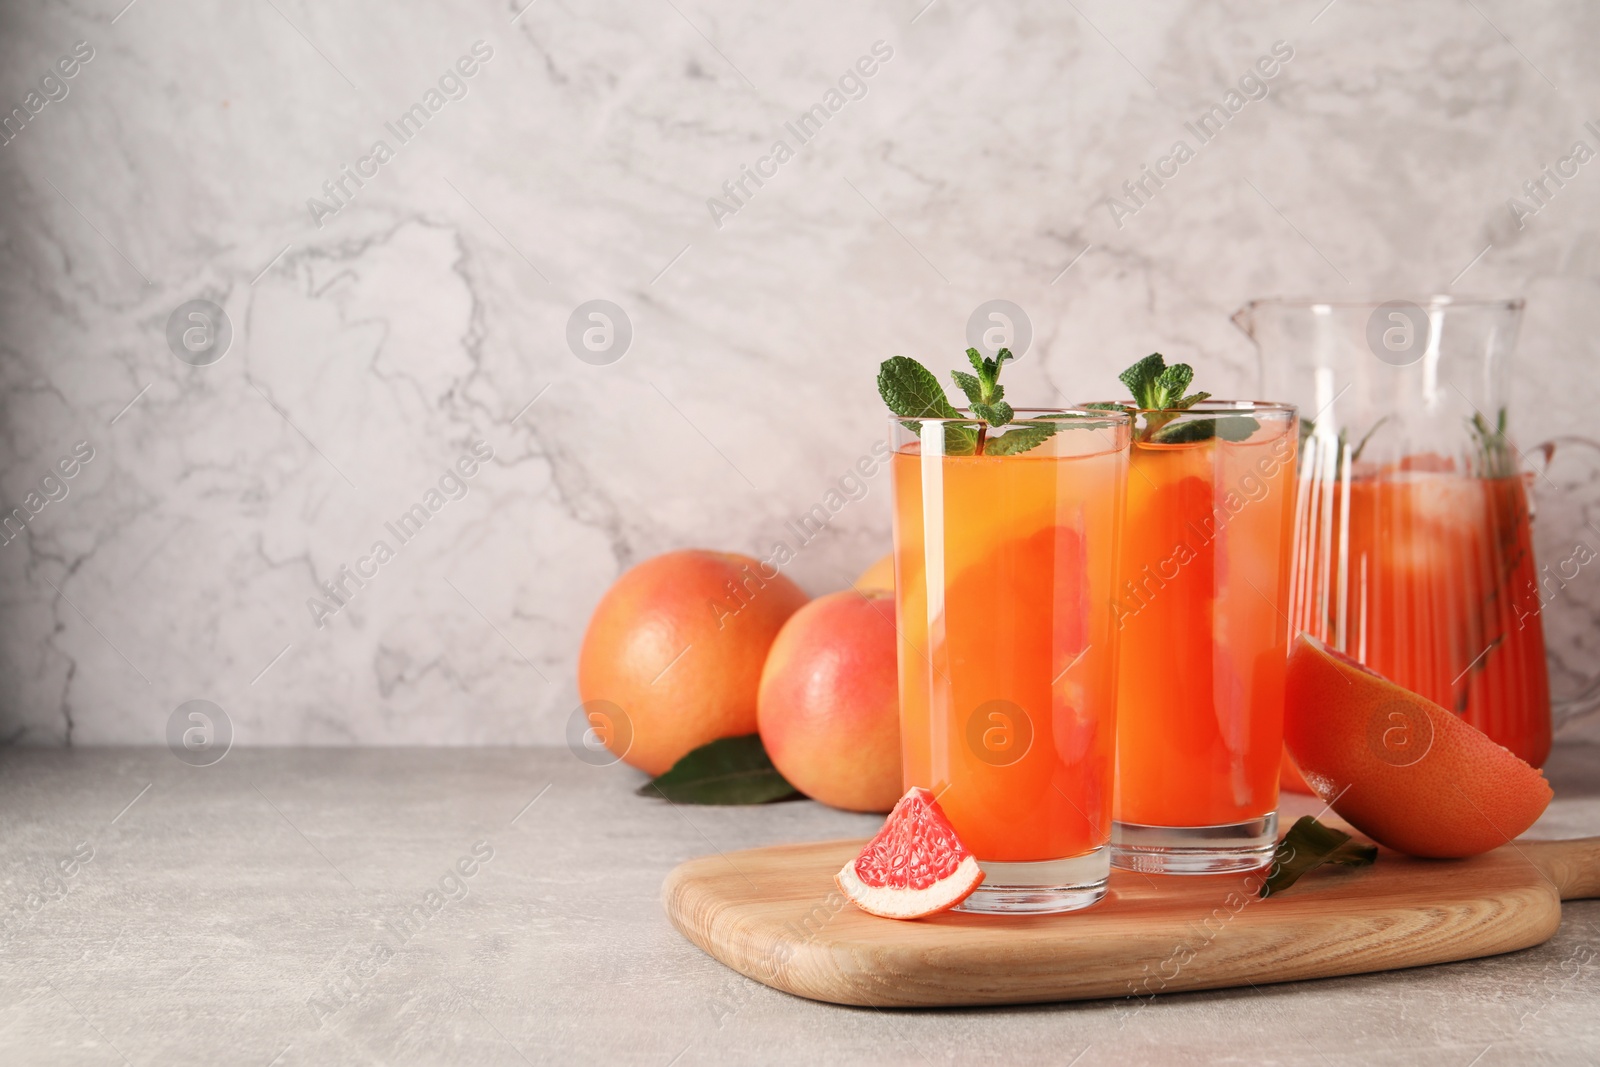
x=1237 y=427
x=1227 y=427
x=959 y=440
x=1307 y=846
x=1019 y=439
x=971 y=386
x=1141 y=378
x=1158 y=392
x=995 y=415
x=911 y=390
x=1158 y=387
x=1171 y=383
x=1032 y=434
x=730 y=770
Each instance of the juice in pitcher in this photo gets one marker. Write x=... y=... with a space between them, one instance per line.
x=1430 y=580
x=1414 y=548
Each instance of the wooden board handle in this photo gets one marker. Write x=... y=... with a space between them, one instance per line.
x=1574 y=866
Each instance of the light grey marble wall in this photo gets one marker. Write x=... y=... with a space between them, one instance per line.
x=384 y=332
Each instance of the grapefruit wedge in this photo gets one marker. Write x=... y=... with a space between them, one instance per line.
x=915 y=867
x=1398 y=767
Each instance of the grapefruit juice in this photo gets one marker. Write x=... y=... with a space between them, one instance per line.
x=1201 y=608
x=1432 y=583
x=1007 y=652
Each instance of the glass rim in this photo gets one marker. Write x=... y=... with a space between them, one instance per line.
x=1021 y=417
x=1429 y=300
x=1215 y=406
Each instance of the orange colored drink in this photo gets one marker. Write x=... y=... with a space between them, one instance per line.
x=1438 y=592
x=1003 y=574
x=1202 y=594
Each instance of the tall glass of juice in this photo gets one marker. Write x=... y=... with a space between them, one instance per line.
x=1201 y=610
x=1005 y=552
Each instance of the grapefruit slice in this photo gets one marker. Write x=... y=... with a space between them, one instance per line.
x=1398 y=767
x=915 y=867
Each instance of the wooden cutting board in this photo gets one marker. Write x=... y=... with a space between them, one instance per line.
x=774 y=915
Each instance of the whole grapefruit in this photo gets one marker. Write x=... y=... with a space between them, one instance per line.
x=829 y=707
x=1398 y=767
x=677 y=643
x=878 y=578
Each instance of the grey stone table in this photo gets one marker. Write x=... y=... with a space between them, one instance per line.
x=291 y=907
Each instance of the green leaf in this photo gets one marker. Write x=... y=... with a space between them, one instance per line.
x=971 y=386
x=911 y=390
x=959 y=440
x=1182 y=433
x=730 y=770
x=1227 y=427
x=994 y=414
x=1492 y=452
x=1171 y=383
x=1237 y=427
x=1098 y=405
x=1307 y=846
x=1158 y=391
x=1141 y=378
x=1019 y=439
x=1156 y=427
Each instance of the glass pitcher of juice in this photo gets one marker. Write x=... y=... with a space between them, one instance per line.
x=1414 y=546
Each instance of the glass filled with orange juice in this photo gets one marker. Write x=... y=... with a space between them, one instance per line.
x=1201 y=603
x=1005 y=552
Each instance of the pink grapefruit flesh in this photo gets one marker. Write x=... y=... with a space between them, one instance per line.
x=915 y=867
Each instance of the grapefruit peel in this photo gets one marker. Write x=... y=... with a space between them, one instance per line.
x=1405 y=771
x=916 y=866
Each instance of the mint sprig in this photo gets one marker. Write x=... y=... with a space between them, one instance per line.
x=913 y=392
x=1160 y=392
x=985 y=394
x=1492 y=452
x=1158 y=387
